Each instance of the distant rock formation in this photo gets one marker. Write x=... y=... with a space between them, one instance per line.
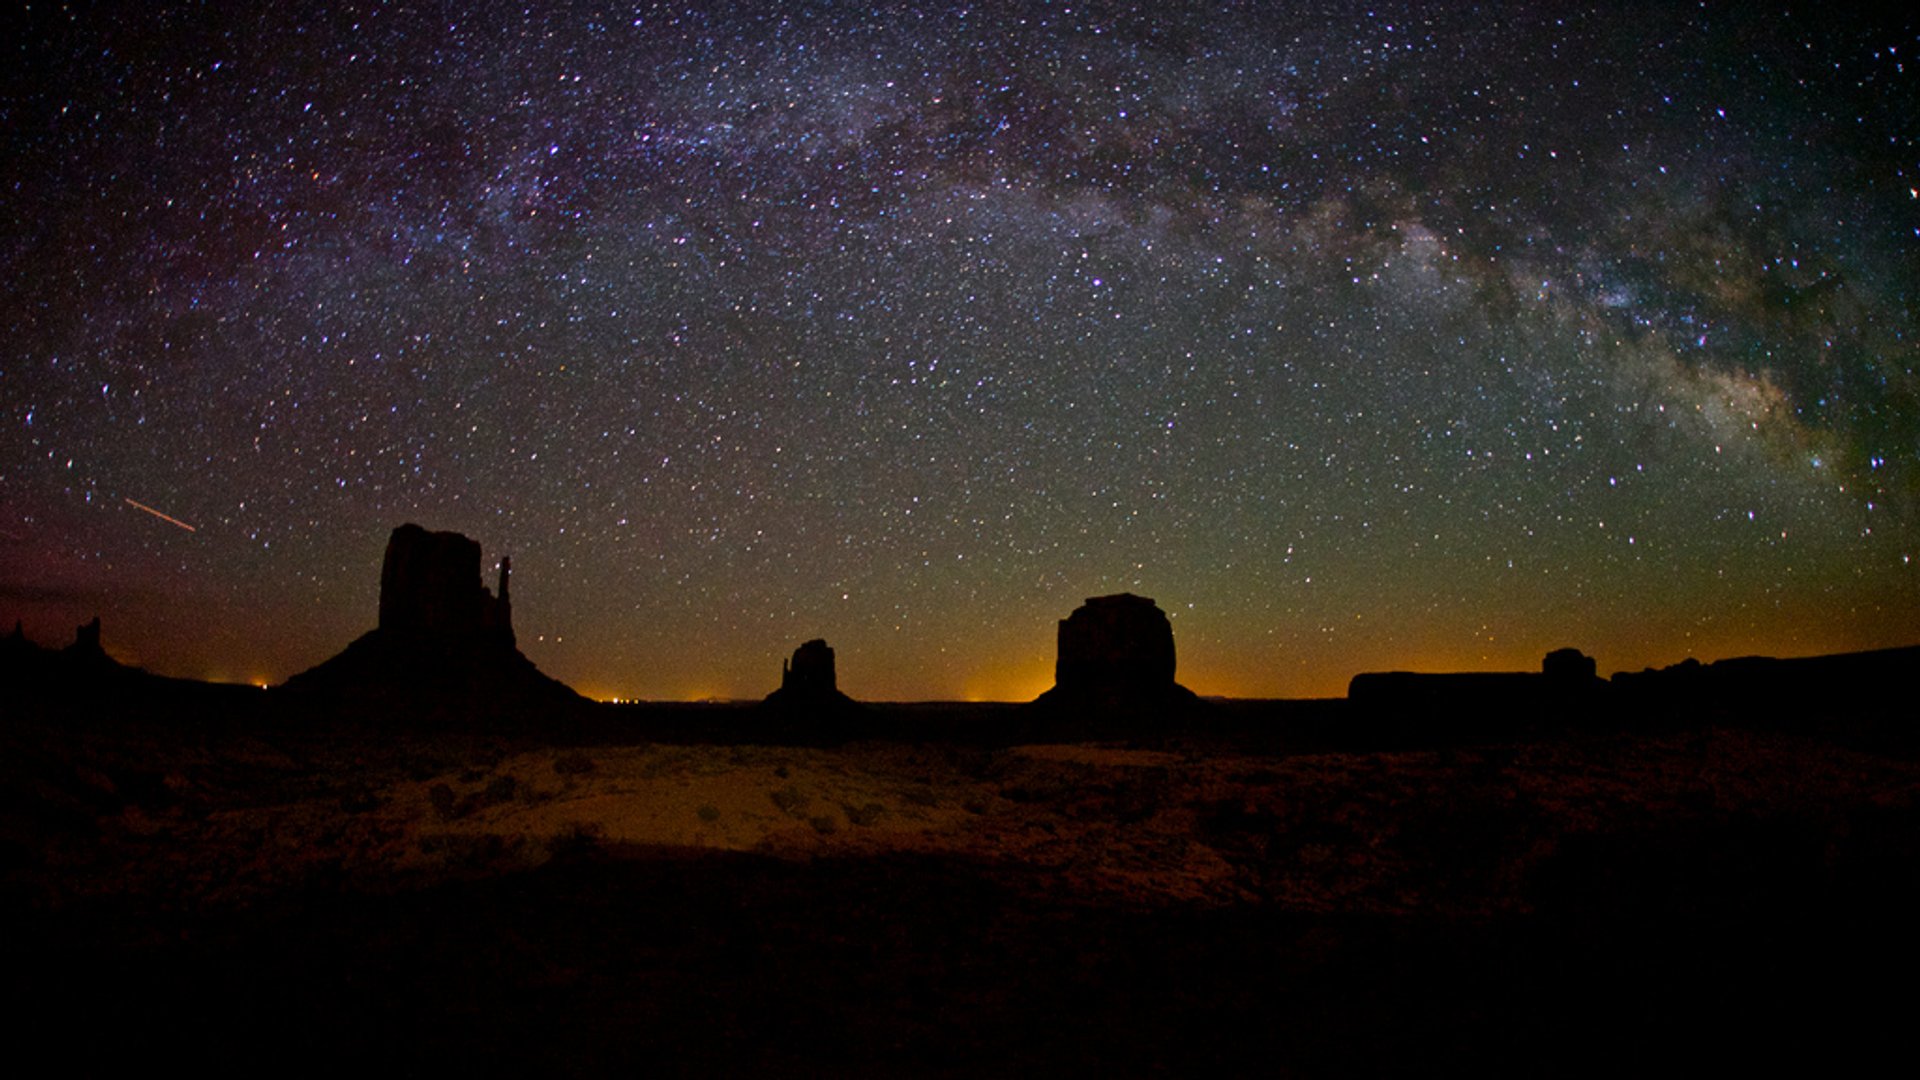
x=1116 y=653
x=1861 y=699
x=1475 y=704
x=81 y=670
x=1836 y=691
x=809 y=708
x=1569 y=667
x=87 y=655
x=1562 y=672
x=811 y=669
x=19 y=656
x=86 y=646
x=444 y=646
x=430 y=588
x=808 y=681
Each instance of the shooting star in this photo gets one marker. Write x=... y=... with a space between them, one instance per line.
x=158 y=514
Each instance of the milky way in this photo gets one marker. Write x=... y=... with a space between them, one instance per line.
x=1357 y=337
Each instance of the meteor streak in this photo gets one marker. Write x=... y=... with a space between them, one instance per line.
x=158 y=514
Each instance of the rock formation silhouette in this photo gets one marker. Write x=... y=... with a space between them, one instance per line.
x=86 y=648
x=1563 y=673
x=810 y=672
x=1866 y=698
x=19 y=657
x=1480 y=704
x=444 y=646
x=809 y=707
x=807 y=681
x=87 y=657
x=1116 y=654
x=80 y=674
x=1569 y=667
x=430 y=588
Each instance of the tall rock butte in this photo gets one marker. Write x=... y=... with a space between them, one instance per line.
x=808 y=682
x=811 y=669
x=444 y=646
x=430 y=589
x=1116 y=652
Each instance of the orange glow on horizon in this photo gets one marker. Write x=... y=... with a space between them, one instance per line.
x=610 y=696
x=1020 y=684
x=220 y=677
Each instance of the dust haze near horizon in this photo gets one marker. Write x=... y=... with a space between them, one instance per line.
x=1362 y=337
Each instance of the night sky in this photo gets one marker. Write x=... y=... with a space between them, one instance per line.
x=1358 y=337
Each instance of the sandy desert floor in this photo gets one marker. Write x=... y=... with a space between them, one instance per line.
x=299 y=900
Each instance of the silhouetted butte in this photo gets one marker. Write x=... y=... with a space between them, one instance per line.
x=809 y=706
x=444 y=646
x=1116 y=656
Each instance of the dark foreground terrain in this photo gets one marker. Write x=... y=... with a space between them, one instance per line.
x=212 y=885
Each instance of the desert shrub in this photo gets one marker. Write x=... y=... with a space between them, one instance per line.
x=708 y=813
x=790 y=800
x=823 y=823
x=498 y=790
x=444 y=804
x=921 y=796
x=864 y=816
x=573 y=763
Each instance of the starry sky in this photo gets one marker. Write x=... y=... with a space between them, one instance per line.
x=1358 y=336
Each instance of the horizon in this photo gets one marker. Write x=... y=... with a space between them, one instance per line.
x=599 y=695
x=1360 y=339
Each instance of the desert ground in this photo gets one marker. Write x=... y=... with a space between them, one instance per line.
x=243 y=894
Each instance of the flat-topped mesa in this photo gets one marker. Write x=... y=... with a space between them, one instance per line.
x=1565 y=675
x=1419 y=708
x=1114 y=641
x=430 y=589
x=1569 y=667
x=1116 y=652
